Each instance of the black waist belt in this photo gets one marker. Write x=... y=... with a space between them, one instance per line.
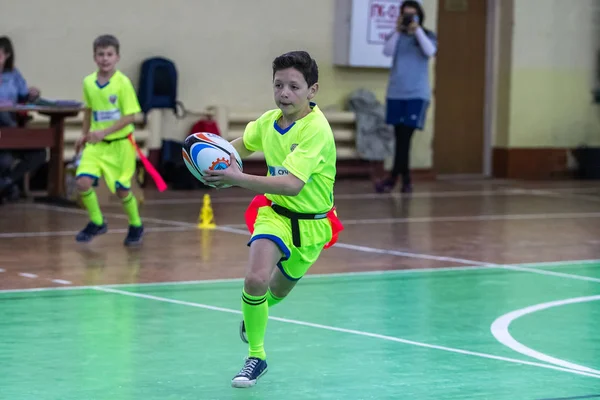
x=294 y=217
x=115 y=139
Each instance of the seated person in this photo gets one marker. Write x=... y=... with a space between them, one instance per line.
x=13 y=89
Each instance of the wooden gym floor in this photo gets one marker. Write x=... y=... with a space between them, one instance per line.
x=414 y=302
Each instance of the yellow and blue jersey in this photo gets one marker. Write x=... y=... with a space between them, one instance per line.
x=306 y=149
x=110 y=102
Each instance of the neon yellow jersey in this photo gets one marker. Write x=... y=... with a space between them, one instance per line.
x=306 y=150
x=110 y=102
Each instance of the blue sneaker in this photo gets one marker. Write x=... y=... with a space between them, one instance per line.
x=253 y=369
x=134 y=236
x=90 y=231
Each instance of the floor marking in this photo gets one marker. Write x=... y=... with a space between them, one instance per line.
x=573 y=196
x=307 y=277
x=27 y=275
x=354 y=196
x=365 y=221
x=500 y=331
x=61 y=282
x=364 y=249
x=12 y=235
x=507 y=191
x=350 y=331
x=465 y=218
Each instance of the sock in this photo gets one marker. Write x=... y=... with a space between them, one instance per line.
x=256 y=314
x=131 y=209
x=271 y=299
x=90 y=202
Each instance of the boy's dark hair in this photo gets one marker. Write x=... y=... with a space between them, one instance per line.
x=7 y=46
x=300 y=60
x=104 y=41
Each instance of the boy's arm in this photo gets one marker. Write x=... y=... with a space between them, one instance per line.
x=287 y=185
x=87 y=120
x=240 y=147
x=300 y=165
x=120 y=124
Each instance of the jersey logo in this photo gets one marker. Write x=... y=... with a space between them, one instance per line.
x=278 y=171
x=107 y=115
x=293 y=147
x=112 y=98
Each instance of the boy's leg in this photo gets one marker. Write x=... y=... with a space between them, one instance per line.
x=264 y=255
x=120 y=170
x=130 y=206
x=280 y=285
x=88 y=172
x=96 y=226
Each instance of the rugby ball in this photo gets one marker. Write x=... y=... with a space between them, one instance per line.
x=206 y=151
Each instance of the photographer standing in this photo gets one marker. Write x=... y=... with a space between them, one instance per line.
x=409 y=91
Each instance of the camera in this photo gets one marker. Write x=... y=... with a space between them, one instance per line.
x=407 y=19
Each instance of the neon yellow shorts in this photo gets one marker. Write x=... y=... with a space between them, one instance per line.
x=115 y=161
x=296 y=261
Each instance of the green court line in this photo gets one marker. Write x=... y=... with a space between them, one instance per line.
x=525 y=267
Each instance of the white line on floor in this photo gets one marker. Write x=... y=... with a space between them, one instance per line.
x=312 y=276
x=350 y=331
x=365 y=249
x=500 y=331
x=62 y=282
x=13 y=235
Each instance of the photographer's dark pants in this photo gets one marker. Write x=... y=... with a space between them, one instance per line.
x=406 y=115
x=401 y=166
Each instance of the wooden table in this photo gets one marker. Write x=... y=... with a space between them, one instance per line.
x=51 y=137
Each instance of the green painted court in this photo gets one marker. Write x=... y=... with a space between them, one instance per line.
x=416 y=334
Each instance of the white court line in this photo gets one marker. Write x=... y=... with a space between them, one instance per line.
x=507 y=191
x=366 y=221
x=500 y=331
x=364 y=249
x=466 y=218
x=61 y=281
x=566 y=195
x=27 y=275
x=350 y=331
x=355 y=196
x=311 y=276
x=2 y=270
x=13 y=235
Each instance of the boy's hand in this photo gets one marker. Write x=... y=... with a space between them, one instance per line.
x=230 y=176
x=95 y=136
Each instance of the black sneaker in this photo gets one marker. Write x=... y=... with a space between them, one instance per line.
x=243 y=332
x=253 y=369
x=90 y=231
x=134 y=236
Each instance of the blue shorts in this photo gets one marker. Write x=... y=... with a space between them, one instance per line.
x=409 y=112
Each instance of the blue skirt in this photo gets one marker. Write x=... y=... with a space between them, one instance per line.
x=409 y=112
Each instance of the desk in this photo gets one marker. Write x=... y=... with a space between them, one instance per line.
x=51 y=137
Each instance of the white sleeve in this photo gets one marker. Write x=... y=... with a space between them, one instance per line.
x=427 y=45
